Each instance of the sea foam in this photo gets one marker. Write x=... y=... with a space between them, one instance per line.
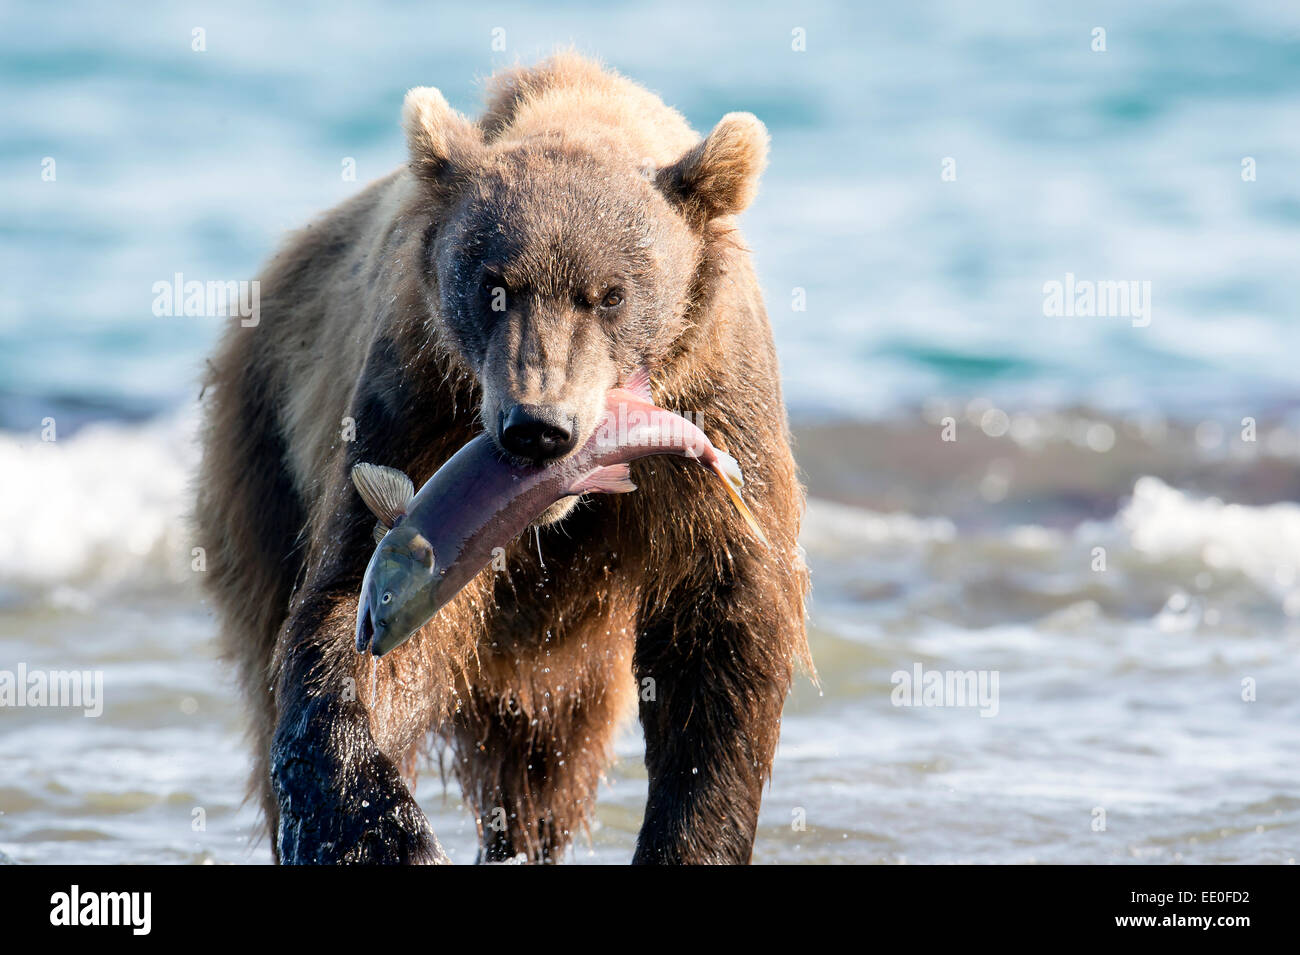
x=106 y=506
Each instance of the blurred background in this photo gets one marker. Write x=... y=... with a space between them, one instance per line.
x=933 y=166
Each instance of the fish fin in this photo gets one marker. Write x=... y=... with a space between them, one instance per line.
x=380 y=531
x=729 y=471
x=728 y=468
x=386 y=491
x=639 y=383
x=614 y=479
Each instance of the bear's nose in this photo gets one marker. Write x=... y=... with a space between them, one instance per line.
x=536 y=433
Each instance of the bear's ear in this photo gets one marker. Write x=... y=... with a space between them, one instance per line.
x=719 y=176
x=443 y=144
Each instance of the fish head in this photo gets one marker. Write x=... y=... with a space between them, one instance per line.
x=398 y=592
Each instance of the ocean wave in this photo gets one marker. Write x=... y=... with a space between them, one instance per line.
x=1262 y=543
x=104 y=508
x=1173 y=558
x=107 y=510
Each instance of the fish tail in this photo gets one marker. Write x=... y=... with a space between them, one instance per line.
x=729 y=471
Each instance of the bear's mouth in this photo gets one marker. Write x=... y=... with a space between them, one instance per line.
x=536 y=436
x=525 y=463
x=560 y=509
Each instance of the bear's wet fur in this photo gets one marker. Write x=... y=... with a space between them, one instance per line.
x=375 y=343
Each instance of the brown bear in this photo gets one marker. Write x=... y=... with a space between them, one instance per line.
x=515 y=270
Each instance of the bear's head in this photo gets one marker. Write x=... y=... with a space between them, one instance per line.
x=554 y=268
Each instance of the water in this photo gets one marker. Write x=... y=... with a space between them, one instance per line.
x=1120 y=689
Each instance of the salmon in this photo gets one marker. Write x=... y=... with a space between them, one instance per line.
x=432 y=543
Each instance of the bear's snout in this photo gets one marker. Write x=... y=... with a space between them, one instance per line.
x=538 y=433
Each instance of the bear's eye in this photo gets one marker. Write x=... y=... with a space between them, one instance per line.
x=612 y=299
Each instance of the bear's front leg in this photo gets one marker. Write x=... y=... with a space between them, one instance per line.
x=339 y=798
x=719 y=661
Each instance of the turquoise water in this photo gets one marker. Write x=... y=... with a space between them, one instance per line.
x=1112 y=166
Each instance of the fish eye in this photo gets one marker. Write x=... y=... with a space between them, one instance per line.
x=387 y=597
